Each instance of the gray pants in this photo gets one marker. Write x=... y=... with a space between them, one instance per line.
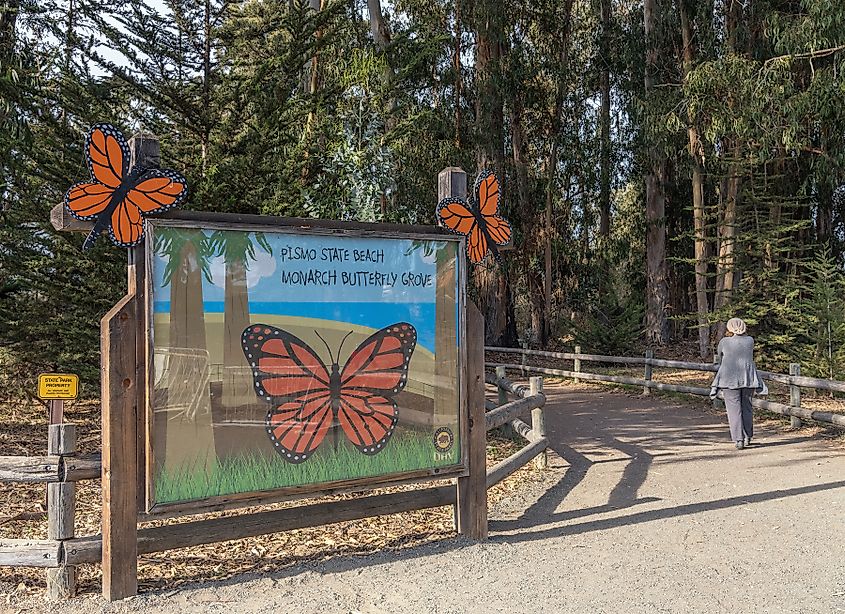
x=740 y=412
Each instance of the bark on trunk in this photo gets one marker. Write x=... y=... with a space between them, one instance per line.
x=824 y=216
x=657 y=329
x=206 y=86
x=604 y=121
x=381 y=35
x=456 y=61
x=698 y=206
x=8 y=30
x=310 y=81
x=701 y=252
x=726 y=262
x=551 y=171
x=491 y=281
x=523 y=214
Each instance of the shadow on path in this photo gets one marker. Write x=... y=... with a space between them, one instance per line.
x=669 y=512
x=593 y=429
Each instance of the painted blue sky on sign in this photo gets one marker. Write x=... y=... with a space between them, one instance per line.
x=372 y=282
x=317 y=268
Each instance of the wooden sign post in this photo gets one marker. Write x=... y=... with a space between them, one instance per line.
x=471 y=505
x=123 y=386
x=123 y=402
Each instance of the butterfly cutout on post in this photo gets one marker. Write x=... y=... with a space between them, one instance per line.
x=117 y=196
x=307 y=399
x=478 y=220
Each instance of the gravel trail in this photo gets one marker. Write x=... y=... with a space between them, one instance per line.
x=646 y=508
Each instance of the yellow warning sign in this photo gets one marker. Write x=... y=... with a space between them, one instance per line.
x=57 y=386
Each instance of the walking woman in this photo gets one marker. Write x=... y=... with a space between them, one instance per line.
x=737 y=379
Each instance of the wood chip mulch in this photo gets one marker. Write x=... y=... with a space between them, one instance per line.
x=23 y=516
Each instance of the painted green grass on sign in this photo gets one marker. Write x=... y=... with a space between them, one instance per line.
x=250 y=472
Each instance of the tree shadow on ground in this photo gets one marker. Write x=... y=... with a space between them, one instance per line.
x=583 y=427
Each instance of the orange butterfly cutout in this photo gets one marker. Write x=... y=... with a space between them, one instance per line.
x=117 y=196
x=478 y=220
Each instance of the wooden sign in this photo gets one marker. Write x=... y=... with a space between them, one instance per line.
x=301 y=361
x=58 y=386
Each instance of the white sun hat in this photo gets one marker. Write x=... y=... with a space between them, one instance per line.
x=736 y=326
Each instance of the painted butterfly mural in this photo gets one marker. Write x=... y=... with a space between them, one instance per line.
x=478 y=220
x=119 y=197
x=307 y=398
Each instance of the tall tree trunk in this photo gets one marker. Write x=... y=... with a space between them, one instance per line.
x=725 y=264
x=9 y=10
x=310 y=84
x=310 y=79
x=551 y=164
x=604 y=121
x=206 y=86
x=824 y=214
x=456 y=61
x=381 y=35
x=729 y=189
x=698 y=207
x=657 y=326
x=8 y=38
x=491 y=281
x=523 y=214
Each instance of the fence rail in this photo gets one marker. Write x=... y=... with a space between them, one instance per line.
x=529 y=399
x=794 y=380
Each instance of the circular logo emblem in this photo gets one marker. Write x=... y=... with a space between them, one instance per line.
x=443 y=439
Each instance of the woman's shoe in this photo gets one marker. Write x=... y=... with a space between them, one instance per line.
x=747 y=441
x=740 y=445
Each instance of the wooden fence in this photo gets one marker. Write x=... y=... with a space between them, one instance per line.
x=62 y=551
x=794 y=380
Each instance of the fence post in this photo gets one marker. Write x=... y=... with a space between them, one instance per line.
x=524 y=357
x=794 y=395
x=538 y=421
x=649 y=354
x=717 y=404
x=61 y=510
x=577 y=363
x=501 y=372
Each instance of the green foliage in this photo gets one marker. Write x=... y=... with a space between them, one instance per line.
x=798 y=318
x=614 y=327
x=823 y=310
x=272 y=107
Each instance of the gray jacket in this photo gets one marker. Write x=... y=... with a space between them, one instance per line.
x=736 y=366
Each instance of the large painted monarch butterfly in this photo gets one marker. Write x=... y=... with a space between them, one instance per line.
x=117 y=196
x=478 y=220
x=306 y=399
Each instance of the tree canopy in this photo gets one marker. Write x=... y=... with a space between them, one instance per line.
x=665 y=163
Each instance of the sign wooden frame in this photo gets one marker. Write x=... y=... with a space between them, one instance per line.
x=146 y=499
x=124 y=385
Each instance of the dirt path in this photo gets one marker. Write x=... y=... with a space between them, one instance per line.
x=647 y=508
